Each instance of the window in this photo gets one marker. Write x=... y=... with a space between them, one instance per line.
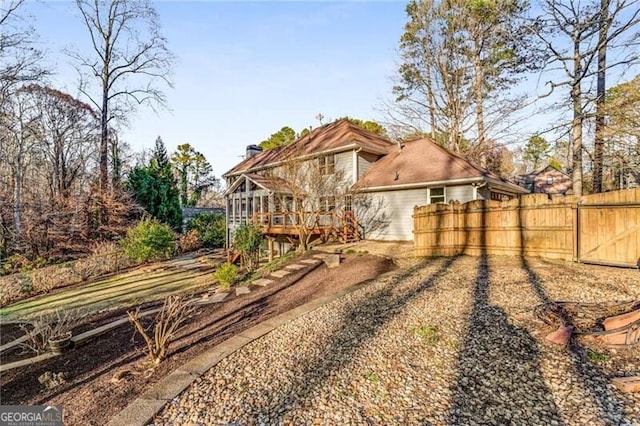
x=348 y=203
x=550 y=180
x=500 y=196
x=436 y=195
x=331 y=203
x=327 y=164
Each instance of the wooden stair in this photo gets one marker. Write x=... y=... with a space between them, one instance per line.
x=349 y=229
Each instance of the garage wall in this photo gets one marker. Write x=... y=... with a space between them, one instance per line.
x=462 y=193
x=395 y=209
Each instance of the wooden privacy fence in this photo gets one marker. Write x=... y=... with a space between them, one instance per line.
x=599 y=228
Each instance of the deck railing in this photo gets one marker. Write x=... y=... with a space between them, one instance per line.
x=290 y=223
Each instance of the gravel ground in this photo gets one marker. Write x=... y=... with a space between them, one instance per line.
x=447 y=341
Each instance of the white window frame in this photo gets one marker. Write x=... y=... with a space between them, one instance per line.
x=443 y=196
x=327 y=164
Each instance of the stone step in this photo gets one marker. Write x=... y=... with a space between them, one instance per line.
x=215 y=298
x=310 y=261
x=242 y=290
x=295 y=267
x=262 y=282
x=281 y=273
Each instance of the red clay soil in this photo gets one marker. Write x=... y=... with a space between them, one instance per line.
x=108 y=372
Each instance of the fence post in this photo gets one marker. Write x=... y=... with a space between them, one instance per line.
x=575 y=207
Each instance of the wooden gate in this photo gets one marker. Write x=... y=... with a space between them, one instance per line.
x=609 y=229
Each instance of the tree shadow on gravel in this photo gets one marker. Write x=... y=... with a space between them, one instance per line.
x=499 y=380
x=609 y=406
x=360 y=325
x=594 y=381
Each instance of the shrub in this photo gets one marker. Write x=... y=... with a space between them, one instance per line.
x=50 y=380
x=46 y=279
x=21 y=263
x=227 y=274
x=175 y=311
x=48 y=326
x=189 y=241
x=11 y=288
x=211 y=228
x=247 y=240
x=111 y=256
x=149 y=240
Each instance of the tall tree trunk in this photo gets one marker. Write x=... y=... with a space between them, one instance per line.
x=576 y=125
x=17 y=203
x=104 y=139
x=479 y=95
x=183 y=185
x=598 y=148
x=431 y=103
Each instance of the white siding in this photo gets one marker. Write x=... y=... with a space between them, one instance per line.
x=396 y=207
x=344 y=163
x=462 y=193
x=365 y=160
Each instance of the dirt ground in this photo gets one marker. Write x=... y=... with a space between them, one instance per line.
x=104 y=375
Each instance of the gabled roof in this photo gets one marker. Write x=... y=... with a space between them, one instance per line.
x=332 y=137
x=424 y=161
x=542 y=169
x=270 y=183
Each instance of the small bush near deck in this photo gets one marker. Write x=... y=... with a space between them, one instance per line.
x=247 y=240
x=149 y=240
x=227 y=274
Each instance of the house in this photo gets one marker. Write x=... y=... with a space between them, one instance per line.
x=352 y=184
x=546 y=180
x=422 y=172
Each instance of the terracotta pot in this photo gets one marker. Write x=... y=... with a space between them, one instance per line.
x=60 y=344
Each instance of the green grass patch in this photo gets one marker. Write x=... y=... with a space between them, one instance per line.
x=427 y=332
x=373 y=377
x=597 y=357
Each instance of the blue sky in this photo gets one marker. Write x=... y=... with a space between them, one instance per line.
x=245 y=69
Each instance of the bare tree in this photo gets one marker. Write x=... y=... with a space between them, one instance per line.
x=19 y=59
x=129 y=60
x=622 y=133
x=311 y=190
x=67 y=136
x=458 y=59
x=598 y=145
x=569 y=33
x=18 y=119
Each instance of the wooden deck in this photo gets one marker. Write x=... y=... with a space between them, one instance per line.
x=343 y=225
